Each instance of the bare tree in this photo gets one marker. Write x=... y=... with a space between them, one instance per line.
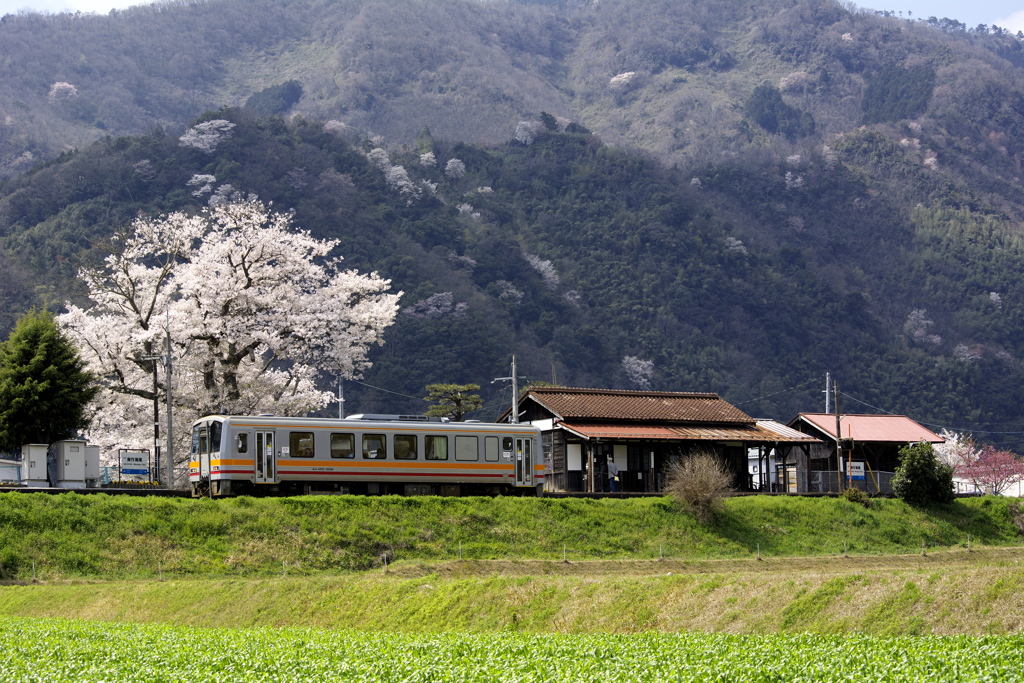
x=699 y=483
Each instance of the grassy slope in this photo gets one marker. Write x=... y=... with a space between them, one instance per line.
x=121 y=537
x=219 y=563
x=943 y=593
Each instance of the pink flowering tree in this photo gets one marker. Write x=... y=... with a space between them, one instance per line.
x=991 y=469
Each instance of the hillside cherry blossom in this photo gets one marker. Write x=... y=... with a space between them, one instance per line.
x=455 y=169
x=206 y=136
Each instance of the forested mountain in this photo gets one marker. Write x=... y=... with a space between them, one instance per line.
x=674 y=77
x=772 y=189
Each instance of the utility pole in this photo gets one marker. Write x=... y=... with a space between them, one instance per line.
x=156 y=422
x=828 y=393
x=170 y=441
x=515 y=390
x=515 y=393
x=341 y=398
x=839 y=438
x=155 y=464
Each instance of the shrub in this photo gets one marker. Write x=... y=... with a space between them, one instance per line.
x=921 y=478
x=700 y=483
x=855 y=495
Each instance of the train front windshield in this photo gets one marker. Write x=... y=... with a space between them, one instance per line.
x=206 y=437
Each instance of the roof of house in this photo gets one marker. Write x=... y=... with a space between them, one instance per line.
x=613 y=405
x=877 y=428
x=763 y=431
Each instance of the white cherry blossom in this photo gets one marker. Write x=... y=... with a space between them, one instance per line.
x=255 y=309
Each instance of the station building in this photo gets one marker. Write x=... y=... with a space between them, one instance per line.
x=644 y=432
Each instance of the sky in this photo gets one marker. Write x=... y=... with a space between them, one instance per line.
x=1006 y=13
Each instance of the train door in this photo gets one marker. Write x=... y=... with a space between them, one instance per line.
x=264 y=457
x=524 y=462
x=203 y=447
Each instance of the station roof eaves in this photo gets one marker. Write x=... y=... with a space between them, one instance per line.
x=762 y=432
x=614 y=405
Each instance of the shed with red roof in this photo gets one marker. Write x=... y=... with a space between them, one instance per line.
x=870 y=442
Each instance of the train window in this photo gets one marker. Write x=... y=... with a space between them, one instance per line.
x=195 y=440
x=491 y=448
x=506 y=443
x=374 y=447
x=343 y=445
x=242 y=443
x=300 y=444
x=466 y=448
x=215 y=430
x=437 y=447
x=405 y=447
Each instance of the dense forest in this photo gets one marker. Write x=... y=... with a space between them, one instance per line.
x=664 y=195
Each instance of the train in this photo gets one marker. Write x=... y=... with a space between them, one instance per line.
x=366 y=454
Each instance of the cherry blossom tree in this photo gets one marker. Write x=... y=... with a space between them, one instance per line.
x=455 y=169
x=254 y=309
x=63 y=91
x=992 y=470
x=957 y=449
x=207 y=135
x=638 y=371
x=545 y=268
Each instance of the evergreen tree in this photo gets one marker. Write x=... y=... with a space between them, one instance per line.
x=44 y=386
x=453 y=400
x=921 y=478
x=277 y=99
x=766 y=108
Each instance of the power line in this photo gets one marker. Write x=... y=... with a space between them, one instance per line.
x=396 y=393
x=928 y=424
x=781 y=391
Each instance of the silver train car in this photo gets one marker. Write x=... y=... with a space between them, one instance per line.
x=363 y=454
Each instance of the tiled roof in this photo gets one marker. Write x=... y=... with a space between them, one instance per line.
x=884 y=428
x=752 y=433
x=646 y=406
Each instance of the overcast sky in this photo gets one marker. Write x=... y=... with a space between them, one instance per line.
x=1006 y=13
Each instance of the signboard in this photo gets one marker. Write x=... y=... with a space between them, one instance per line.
x=856 y=470
x=135 y=463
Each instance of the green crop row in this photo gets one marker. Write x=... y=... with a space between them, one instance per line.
x=61 y=650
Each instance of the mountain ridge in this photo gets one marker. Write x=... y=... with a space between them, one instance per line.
x=732 y=219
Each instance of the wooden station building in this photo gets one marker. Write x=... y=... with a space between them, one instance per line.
x=643 y=432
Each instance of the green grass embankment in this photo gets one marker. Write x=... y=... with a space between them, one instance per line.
x=953 y=592
x=118 y=537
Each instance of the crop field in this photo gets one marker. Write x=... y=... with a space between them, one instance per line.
x=63 y=650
